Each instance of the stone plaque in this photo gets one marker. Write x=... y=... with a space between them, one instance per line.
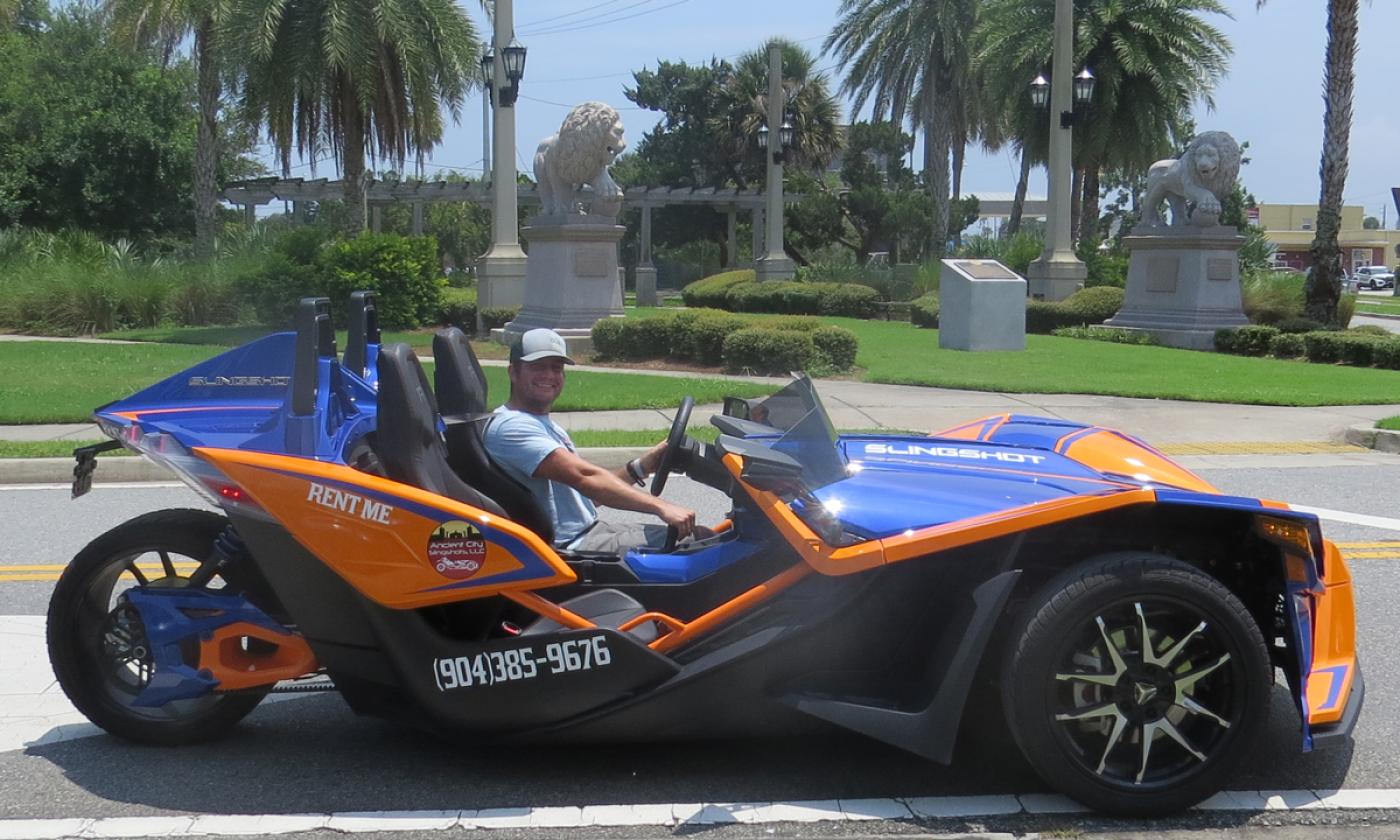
x=1161 y=274
x=1219 y=268
x=985 y=270
x=590 y=264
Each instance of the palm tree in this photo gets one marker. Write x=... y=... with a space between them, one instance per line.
x=355 y=77
x=1324 y=283
x=911 y=58
x=165 y=23
x=813 y=111
x=1152 y=59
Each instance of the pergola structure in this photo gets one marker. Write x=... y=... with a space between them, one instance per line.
x=256 y=192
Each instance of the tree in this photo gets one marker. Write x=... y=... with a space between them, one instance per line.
x=707 y=136
x=1324 y=284
x=361 y=77
x=165 y=23
x=912 y=57
x=1152 y=60
x=93 y=134
x=1371 y=223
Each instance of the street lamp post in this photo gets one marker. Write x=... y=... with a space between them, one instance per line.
x=488 y=97
x=1058 y=273
x=501 y=270
x=775 y=265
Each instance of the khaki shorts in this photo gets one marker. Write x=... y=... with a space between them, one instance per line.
x=617 y=537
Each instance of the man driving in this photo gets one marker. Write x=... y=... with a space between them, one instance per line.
x=534 y=450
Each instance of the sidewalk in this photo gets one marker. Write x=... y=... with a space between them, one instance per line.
x=861 y=405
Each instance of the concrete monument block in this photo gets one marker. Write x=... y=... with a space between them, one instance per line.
x=981 y=306
x=646 y=285
x=1183 y=284
x=571 y=278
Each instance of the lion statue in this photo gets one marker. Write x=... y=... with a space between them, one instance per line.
x=1194 y=184
x=587 y=142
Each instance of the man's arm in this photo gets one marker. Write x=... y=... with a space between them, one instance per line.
x=609 y=488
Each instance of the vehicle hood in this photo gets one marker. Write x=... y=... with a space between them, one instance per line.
x=992 y=465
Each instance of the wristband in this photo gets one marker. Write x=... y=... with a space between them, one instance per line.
x=634 y=469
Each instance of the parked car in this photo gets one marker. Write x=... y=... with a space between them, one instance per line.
x=1375 y=277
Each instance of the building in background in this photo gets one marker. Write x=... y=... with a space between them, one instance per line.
x=1291 y=228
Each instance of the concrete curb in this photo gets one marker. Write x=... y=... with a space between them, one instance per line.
x=132 y=469
x=1382 y=440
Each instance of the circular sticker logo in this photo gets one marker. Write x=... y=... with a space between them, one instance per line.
x=457 y=549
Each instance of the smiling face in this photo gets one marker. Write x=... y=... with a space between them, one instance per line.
x=534 y=386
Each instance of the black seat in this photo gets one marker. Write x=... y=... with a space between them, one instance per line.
x=410 y=449
x=461 y=394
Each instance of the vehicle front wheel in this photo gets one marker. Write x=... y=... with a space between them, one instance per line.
x=97 y=644
x=1136 y=683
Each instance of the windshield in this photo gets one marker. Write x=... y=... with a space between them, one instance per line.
x=808 y=435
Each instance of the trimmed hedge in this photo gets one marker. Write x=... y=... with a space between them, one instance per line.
x=739 y=291
x=923 y=312
x=1109 y=334
x=704 y=336
x=763 y=350
x=1246 y=341
x=710 y=291
x=1085 y=308
x=495 y=317
x=1287 y=346
x=458 y=309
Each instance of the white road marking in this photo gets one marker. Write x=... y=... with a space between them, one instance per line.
x=115 y=485
x=1369 y=521
x=660 y=815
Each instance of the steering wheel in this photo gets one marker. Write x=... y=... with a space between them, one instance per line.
x=671 y=457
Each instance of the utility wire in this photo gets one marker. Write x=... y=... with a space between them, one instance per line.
x=598 y=23
x=584 y=23
x=551 y=21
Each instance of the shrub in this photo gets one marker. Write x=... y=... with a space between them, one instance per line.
x=799 y=323
x=1109 y=334
x=402 y=271
x=711 y=291
x=1346 y=307
x=848 y=299
x=701 y=336
x=1269 y=297
x=1248 y=341
x=754 y=297
x=1299 y=325
x=495 y=317
x=651 y=337
x=1324 y=346
x=273 y=288
x=1225 y=341
x=1387 y=354
x=837 y=346
x=1043 y=317
x=1093 y=305
x=1359 y=349
x=923 y=312
x=458 y=309
x=204 y=299
x=610 y=338
x=1287 y=345
x=1370 y=329
x=762 y=350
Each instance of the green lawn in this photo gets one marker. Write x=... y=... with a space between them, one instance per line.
x=51 y=382
x=899 y=353
x=1391 y=423
x=1378 y=305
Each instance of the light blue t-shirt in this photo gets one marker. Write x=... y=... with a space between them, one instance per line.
x=519 y=442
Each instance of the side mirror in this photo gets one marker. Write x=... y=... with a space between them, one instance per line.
x=736 y=407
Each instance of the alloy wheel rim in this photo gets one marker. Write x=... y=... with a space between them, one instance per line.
x=1145 y=693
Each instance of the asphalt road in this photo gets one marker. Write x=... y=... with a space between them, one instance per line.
x=311 y=754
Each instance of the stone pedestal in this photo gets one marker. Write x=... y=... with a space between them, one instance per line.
x=1055 y=278
x=500 y=282
x=646 y=285
x=1183 y=284
x=981 y=306
x=571 y=279
x=775 y=268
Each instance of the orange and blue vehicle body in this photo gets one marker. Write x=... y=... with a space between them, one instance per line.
x=898 y=577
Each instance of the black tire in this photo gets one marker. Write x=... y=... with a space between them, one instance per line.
x=85 y=605
x=1073 y=630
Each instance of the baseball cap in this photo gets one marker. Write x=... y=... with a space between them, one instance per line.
x=539 y=344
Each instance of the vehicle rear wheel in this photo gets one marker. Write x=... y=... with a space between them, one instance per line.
x=1136 y=684
x=96 y=642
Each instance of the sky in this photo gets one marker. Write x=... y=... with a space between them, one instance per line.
x=581 y=50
